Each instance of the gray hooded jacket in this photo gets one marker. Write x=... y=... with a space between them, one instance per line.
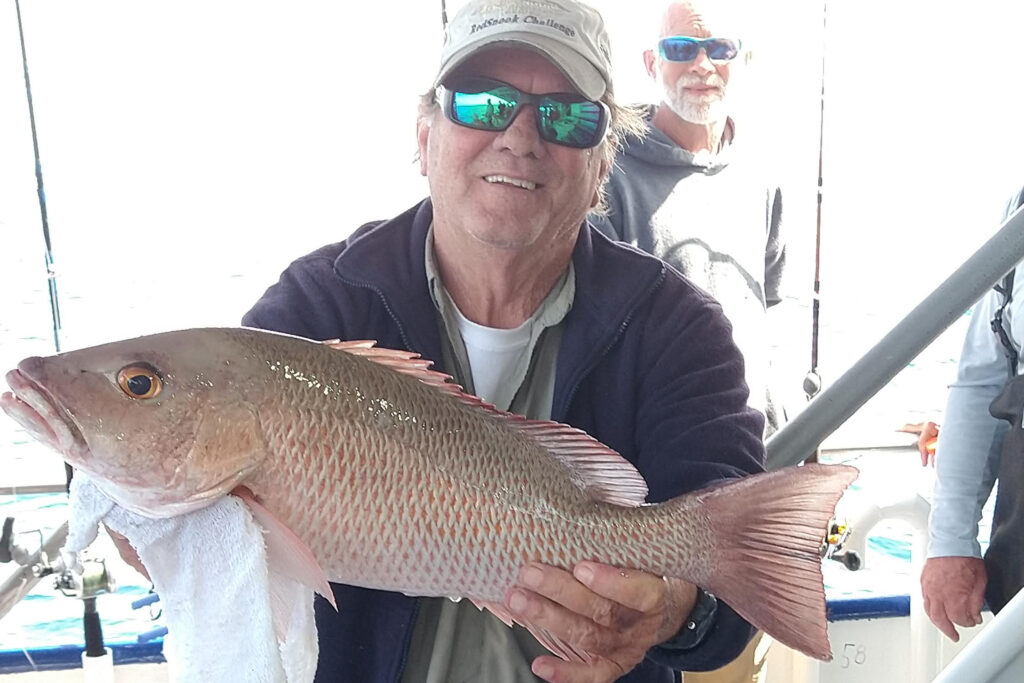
x=716 y=220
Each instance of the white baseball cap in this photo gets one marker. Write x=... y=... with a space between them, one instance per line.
x=572 y=35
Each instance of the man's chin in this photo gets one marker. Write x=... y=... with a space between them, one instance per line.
x=701 y=112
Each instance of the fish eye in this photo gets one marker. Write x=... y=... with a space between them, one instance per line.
x=139 y=381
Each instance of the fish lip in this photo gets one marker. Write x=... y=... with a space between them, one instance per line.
x=32 y=406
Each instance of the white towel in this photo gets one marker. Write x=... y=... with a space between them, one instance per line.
x=220 y=599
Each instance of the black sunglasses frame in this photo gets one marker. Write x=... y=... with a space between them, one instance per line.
x=446 y=98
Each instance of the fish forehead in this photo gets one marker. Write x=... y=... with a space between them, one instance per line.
x=167 y=352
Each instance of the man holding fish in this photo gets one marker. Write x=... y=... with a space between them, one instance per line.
x=499 y=280
x=375 y=474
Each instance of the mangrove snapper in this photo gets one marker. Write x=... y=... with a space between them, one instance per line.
x=367 y=468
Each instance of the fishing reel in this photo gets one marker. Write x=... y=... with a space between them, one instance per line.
x=85 y=579
x=74 y=576
x=832 y=547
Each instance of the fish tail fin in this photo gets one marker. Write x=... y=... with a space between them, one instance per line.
x=768 y=531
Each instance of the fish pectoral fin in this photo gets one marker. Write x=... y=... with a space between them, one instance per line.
x=556 y=645
x=287 y=554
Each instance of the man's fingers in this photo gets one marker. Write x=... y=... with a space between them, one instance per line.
x=962 y=615
x=638 y=590
x=572 y=627
x=937 y=613
x=978 y=599
x=562 y=588
x=966 y=614
x=946 y=626
x=556 y=670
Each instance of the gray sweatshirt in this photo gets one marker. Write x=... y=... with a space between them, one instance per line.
x=716 y=220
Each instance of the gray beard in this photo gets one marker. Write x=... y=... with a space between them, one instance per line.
x=695 y=110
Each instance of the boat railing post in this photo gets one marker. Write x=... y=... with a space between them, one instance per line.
x=924 y=637
x=912 y=510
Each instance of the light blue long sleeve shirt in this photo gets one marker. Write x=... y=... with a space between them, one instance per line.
x=970 y=441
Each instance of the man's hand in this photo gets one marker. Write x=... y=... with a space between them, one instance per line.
x=954 y=590
x=615 y=614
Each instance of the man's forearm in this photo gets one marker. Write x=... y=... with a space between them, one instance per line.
x=967 y=457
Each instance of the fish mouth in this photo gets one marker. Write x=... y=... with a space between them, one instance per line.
x=40 y=414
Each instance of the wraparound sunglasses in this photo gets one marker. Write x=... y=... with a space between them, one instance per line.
x=562 y=118
x=686 y=49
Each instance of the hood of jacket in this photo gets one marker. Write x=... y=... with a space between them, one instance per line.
x=658 y=149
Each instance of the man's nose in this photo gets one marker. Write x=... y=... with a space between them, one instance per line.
x=702 y=63
x=522 y=137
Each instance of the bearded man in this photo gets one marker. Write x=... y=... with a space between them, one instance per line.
x=688 y=194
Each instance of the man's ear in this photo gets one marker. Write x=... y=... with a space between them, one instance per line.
x=649 y=62
x=422 y=137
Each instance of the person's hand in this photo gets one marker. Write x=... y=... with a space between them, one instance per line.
x=927 y=437
x=926 y=443
x=615 y=614
x=954 y=590
x=127 y=552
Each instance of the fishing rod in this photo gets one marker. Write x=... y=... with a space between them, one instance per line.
x=86 y=585
x=51 y=273
x=812 y=382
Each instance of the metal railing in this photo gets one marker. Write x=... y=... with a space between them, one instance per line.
x=833 y=406
x=996 y=655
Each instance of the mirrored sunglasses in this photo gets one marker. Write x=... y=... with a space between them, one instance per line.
x=562 y=118
x=686 y=49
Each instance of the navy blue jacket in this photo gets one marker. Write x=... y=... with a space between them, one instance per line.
x=647 y=365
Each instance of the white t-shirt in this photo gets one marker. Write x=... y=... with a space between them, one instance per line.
x=495 y=355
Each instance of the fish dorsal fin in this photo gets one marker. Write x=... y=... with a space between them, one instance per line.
x=406 y=362
x=599 y=471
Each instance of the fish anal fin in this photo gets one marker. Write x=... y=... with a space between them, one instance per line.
x=497 y=609
x=287 y=554
x=556 y=645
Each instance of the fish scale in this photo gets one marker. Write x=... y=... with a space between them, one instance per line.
x=448 y=450
x=449 y=431
x=372 y=470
